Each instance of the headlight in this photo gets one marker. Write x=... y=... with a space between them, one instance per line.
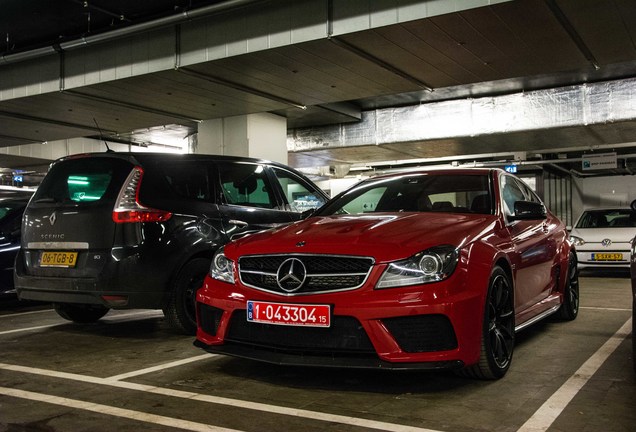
x=432 y=265
x=222 y=268
x=578 y=241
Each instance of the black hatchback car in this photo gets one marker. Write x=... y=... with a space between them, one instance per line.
x=138 y=230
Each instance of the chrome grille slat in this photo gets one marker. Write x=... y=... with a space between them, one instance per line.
x=325 y=273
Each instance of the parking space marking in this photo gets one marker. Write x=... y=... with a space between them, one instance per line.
x=606 y=309
x=127 y=315
x=218 y=400
x=116 y=318
x=26 y=329
x=160 y=367
x=543 y=418
x=114 y=411
x=25 y=313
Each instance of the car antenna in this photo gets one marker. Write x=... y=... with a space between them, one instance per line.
x=101 y=135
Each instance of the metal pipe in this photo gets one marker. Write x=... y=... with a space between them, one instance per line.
x=128 y=31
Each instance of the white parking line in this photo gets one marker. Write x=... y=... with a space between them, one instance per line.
x=607 y=309
x=255 y=406
x=115 y=318
x=25 y=313
x=113 y=411
x=543 y=418
x=26 y=329
x=160 y=367
x=149 y=313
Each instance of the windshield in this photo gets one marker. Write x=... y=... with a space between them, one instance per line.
x=615 y=218
x=416 y=193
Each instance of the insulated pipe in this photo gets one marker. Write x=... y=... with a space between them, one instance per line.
x=127 y=31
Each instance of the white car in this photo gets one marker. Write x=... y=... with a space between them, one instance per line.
x=602 y=237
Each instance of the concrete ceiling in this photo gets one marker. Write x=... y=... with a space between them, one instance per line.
x=503 y=48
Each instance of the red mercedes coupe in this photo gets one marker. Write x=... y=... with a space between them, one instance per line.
x=430 y=269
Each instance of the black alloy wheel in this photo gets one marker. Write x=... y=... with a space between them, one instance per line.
x=498 y=334
x=80 y=313
x=181 y=308
x=570 y=307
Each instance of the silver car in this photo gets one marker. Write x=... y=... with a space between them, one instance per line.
x=602 y=237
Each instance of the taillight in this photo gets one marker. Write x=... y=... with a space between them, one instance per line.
x=127 y=207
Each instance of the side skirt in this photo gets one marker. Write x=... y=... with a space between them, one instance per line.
x=539 y=317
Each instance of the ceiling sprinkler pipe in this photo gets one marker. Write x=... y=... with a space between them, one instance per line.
x=127 y=31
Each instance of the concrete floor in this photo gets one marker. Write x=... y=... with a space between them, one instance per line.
x=129 y=372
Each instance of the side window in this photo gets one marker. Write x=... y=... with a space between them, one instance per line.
x=188 y=180
x=300 y=195
x=510 y=193
x=246 y=185
x=530 y=195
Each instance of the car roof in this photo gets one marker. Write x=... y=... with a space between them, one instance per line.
x=439 y=171
x=142 y=157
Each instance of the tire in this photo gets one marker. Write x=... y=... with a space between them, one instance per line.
x=570 y=307
x=80 y=313
x=498 y=330
x=180 y=310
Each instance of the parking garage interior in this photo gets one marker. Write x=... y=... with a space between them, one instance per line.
x=340 y=90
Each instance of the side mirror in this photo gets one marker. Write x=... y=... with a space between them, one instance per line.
x=529 y=210
x=307 y=213
x=633 y=205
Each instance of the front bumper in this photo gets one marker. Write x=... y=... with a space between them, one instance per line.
x=431 y=326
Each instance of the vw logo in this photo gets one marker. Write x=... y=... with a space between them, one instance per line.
x=606 y=242
x=52 y=218
x=291 y=275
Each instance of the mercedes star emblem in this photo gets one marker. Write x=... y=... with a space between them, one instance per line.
x=291 y=275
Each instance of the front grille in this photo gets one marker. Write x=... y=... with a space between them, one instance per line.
x=344 y=336
x=209 y=318
x=318 y=273
x=422 y=333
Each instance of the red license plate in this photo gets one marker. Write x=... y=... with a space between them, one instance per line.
x=289 y=314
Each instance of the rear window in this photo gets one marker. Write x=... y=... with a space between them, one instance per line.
x=87 y=186
x=83 y=180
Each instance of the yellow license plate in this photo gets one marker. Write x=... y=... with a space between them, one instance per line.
x=58 y=259
x=607 y=257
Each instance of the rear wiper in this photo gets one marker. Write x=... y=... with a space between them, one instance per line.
x=46 y=200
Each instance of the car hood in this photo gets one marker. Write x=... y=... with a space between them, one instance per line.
x=385 y=236
x=596 y=235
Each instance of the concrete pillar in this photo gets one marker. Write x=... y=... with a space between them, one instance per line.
x=260 y=135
